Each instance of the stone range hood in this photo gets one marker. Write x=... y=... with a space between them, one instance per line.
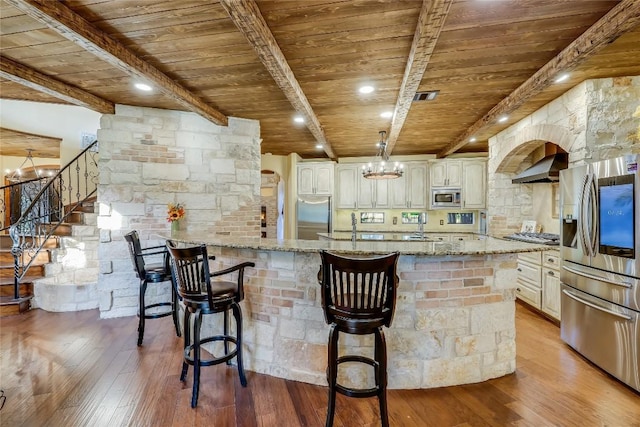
x=546 y=170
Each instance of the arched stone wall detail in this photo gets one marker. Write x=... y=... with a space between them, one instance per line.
x=516 y=151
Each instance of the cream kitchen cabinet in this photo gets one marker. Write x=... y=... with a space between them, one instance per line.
x=474 y=178
x=529 y=287
x=315 y=178
x=410 y=190
x=550 y=303
x=348 y=176
x=445 y=173
x=373 y=193
x=539 y=281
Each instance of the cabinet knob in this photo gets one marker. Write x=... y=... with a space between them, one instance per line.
x=520 y=270
x=550 y=273
x=518 y=290
x=551 y=260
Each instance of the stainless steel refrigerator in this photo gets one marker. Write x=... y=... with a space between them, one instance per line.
x=313 y=216
x=600 y=274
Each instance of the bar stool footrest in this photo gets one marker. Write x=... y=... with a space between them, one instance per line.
x=158 y=315
x=216 y=360
x=354 y=392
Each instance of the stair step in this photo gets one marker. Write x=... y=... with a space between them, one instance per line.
x=6 y=288
x=75 y=218
x=11 y=307
x=43 y=257
x=63 y=229
x=34 y=272
x=7 y=243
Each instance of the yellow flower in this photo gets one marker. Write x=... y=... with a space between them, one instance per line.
x=175 y=212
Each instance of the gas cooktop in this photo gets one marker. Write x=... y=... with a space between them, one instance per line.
x=540 y=238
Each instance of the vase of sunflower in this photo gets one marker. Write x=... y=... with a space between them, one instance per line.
x=175 y=212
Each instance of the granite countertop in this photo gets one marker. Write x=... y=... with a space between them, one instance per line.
x=488 y=245
x=385 y=235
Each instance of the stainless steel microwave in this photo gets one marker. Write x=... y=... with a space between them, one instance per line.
x=445 y=198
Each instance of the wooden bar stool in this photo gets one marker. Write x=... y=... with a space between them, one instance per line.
x=358 y=297
x=151 y=273
x=202 y=296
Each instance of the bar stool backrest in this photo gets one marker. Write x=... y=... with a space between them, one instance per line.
x=191 y=272
x=136 y=253
x=358 y=288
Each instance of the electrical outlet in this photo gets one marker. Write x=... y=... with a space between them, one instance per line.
x=395 y=220
x=442 y=222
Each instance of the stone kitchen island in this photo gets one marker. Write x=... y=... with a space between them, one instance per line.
x=454 y=321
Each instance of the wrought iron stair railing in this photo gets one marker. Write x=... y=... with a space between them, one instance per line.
x=43 y=205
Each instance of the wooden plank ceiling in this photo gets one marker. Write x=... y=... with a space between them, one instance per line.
x=15 y=143
x=272 y=59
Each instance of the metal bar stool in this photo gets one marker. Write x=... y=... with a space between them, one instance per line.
x=151 y=273
x=358 y=297
x=202 y=296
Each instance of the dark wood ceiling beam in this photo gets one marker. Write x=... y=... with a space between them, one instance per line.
x=623 y=17
x=72 y=26
x=430 y=23
x=247 y=17
x=33 y=79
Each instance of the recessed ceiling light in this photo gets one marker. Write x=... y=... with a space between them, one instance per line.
x=472 y=139
x=366 y=89
x=298 y=119
x=387 y=114
x=143 y=86
x=319 y=146
x=562 y=78
x=503 y=119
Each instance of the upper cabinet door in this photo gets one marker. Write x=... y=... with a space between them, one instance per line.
x=454 y=174
x=347 y=187
x=446 y=173
x=305 y=179
x=315 y=179
x=324 y=179
x=398 y=191
x=366 y=193
x=438 y=174
x=474 y=189
x=417 y=186
x=381 y=196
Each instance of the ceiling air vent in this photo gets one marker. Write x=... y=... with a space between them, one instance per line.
x=429 y=95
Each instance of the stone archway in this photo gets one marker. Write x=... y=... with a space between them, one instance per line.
x=269 y=212
x=516 y=150
x=510 y=204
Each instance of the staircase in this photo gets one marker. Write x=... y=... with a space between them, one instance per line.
x=10 y=306
x=35 y=216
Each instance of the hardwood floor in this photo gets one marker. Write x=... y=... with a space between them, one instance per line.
x=72 y=369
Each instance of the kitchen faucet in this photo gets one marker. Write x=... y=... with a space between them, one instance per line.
x=421 y=224
x=353 y=226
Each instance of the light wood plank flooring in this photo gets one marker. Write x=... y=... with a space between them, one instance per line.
x=72 y=369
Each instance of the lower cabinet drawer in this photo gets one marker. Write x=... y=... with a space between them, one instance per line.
x=529 y=294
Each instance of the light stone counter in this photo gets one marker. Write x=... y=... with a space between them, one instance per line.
x=454 y=321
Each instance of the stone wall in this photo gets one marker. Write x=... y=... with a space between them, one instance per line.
x=454 y=319
x=151 y=157
x=71 y=278
x=592 y=121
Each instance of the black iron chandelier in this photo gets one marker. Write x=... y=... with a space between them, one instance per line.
x=381 y=168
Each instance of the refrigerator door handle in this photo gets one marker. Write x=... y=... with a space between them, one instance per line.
x=594 y=277
x=583 y=215
x=593 y=212
x=595 y=306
